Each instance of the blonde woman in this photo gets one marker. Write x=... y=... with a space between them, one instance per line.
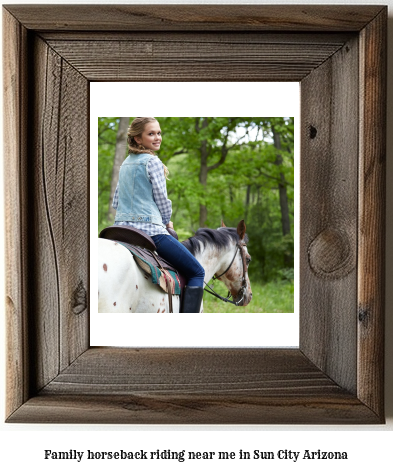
x=141 y=201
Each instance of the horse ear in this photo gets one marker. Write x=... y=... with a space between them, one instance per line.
x=222 y=223
x=241 y=229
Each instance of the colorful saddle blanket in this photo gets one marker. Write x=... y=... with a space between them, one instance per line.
x=169 y=280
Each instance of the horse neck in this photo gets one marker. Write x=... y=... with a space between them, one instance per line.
x=213 y=260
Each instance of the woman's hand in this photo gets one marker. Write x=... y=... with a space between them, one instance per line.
x=171 y=230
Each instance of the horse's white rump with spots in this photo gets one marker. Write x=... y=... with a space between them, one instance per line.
x=123 y=287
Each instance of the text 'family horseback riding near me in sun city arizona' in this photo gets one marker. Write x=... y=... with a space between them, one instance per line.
x=183 y=455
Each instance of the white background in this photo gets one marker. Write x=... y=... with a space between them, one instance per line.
x=184 y=99
x=369 y=447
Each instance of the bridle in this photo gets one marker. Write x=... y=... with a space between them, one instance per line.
x=239 y=246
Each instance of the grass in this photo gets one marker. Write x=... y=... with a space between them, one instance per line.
x=272 y=297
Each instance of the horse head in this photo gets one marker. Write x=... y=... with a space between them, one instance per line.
x=235 y=276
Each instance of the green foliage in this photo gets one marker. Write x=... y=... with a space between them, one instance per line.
x=271 y=297
x=243 y=172
x=107 y=129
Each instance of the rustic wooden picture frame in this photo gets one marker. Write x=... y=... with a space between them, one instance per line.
x=338 y=54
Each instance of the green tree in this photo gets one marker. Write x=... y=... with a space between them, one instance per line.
x=121 y=150
x=107 y=129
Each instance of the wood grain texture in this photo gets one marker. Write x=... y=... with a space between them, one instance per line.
x=328 y=254
x=208 y=371
x=372 y=169
x=335 y=376
x=194 y=17
x=201 y=37
x=239 y=409
x=59 y=220
x=172 y=59
x=14 y=67
x=195 y=385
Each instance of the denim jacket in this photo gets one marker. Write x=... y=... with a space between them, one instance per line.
x=136 y=202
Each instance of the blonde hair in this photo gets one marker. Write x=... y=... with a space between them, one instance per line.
x=135 y=130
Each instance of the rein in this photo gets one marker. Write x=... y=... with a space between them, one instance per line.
x=239 y=246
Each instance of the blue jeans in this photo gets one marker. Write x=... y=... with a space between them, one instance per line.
x=182 y=259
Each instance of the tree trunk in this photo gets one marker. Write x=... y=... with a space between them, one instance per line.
x=247 y=203
x=203 y=174
x=204 y=169
x=285 y=222
x=203 y=181
x=120 y=154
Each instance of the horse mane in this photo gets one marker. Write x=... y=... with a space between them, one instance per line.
x=220 y=238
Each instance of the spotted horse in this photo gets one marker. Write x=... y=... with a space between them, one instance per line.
x=123 y=286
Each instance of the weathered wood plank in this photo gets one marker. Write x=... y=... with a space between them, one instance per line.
x=162 y=51
x=194 y=17
x=66 y=184
x=371 y=261
x=121 y=371
x=201 y=37
x=328 y=253
x=44 y=271
x=193 y=386
x=239 y=409
x=59 y=222
x=174 y=60
x=16 y=257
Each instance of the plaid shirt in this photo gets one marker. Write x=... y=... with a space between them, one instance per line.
x=160 y=196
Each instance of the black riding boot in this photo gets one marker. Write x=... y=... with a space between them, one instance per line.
x=192 y=299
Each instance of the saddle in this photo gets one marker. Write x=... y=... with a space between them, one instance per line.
x=128 y=235
x=144 y=250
